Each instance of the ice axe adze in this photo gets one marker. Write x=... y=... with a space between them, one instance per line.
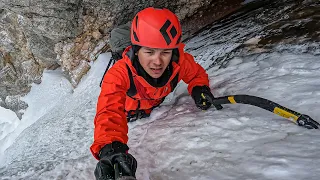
x=298 y=118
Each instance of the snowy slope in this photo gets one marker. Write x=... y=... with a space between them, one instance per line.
x=181 y=142
x=240 y=141
x=60 y=136
x=8 y=122
x=42 y=99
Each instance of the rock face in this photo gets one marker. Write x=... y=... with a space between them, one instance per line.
x=46 y=34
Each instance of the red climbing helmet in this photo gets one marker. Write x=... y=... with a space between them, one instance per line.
x=156 y=28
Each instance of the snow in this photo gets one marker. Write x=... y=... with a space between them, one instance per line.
x=179 y=141
x=8 y=122
x=60 y=135
x=240 y=141
x=51 y=92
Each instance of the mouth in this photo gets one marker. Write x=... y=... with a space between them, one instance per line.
x=156 y=70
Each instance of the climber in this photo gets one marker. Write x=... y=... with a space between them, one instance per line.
x=137 y=83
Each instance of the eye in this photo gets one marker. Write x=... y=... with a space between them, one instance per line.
x=147 y=52
x=166 y=52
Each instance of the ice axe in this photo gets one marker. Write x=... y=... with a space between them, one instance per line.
x=298 y=118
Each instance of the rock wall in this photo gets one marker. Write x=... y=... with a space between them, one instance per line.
x=46 y=34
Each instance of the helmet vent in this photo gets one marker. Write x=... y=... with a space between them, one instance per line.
x=135 y=36
x=137 y=22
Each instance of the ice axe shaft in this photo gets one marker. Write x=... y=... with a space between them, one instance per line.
x=298 y=118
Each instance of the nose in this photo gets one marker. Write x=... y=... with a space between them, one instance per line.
x=157 y=59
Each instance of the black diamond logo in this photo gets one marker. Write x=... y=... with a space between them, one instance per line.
x=164 y=33
x=173 y=32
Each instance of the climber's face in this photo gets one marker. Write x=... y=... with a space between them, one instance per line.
x=154 y=61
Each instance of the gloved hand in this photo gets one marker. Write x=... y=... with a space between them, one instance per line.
x=114 y=161
x=203 y=97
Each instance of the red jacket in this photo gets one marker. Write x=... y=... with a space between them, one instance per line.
x=113 y=102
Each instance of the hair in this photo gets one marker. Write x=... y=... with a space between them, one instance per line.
x=136 y=48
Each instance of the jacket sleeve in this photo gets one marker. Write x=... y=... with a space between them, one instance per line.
x=192 y=73
x=110 y=122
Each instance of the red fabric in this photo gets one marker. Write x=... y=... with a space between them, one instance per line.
x=110 y=120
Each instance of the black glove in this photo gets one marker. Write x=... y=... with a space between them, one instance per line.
x=115 y=162
x=203 y=97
